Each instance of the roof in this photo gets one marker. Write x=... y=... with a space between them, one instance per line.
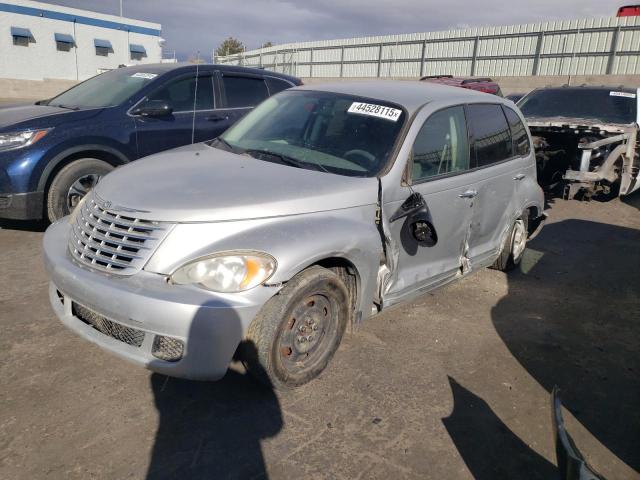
x=565 y=88
x=410 y=94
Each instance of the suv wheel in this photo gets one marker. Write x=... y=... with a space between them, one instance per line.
x=72 y=183
x=293 y=338
x=513 y=246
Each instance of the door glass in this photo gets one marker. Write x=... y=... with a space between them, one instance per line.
x=521 y=145
x=244 y=91
x=441 y=146
x=179 y=93
x=490 y=133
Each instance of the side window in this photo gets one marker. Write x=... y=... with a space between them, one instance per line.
x=179 y=93
x=521 y=145
x=244 y=91
x=441 y=145
x=276 y=85
x=489 y=133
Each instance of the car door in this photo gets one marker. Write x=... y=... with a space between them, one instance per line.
x=497 y=172
x=184 y=125
x=238 y=93
x=438 y=171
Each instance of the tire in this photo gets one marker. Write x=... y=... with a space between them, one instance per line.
x=315 y=300
x=82 y=174
x=511 y=251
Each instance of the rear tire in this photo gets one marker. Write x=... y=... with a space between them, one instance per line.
x=71 y=183
x=513 y=246
x=297 y=332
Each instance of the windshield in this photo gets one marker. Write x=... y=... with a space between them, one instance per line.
x=105 y=90
x=325 y=131
x=608 y=106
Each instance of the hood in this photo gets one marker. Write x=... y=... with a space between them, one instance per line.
x=16 y=116
x=198 y=183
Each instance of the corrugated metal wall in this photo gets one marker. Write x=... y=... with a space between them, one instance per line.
x=579 y=47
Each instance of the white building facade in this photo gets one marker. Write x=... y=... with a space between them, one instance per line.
x=43 y=41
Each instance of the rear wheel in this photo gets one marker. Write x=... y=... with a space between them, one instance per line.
x=513 y=246
x=297 y=332
x=72 y=183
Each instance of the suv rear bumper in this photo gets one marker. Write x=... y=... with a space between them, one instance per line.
x=21 y=206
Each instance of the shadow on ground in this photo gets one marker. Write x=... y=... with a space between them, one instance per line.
x=581 y=332
x=213 y=430
x=488 y=447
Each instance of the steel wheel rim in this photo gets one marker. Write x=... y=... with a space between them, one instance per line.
x=306 y=336
x=519 y=239
x=80 y=188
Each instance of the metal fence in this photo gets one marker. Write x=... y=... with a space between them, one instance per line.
x=578 y=47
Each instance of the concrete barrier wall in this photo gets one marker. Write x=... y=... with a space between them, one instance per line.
x=14 y=89
x=524 y=84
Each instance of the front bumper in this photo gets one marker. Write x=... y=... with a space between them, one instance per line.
x=210 y=325
x=21 y=206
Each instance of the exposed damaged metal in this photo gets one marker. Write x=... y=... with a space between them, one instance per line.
x=592 y=155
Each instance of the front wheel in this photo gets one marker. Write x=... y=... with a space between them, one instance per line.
x=293 y=338
x=513 y=246
x=72 y=183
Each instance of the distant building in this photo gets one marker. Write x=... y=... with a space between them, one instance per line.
x=39 y=40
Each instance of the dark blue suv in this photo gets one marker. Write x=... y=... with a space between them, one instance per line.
x=53 y=152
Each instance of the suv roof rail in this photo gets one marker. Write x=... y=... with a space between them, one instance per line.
x=476 y=80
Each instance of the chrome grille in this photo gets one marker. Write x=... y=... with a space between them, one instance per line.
x=109 y=241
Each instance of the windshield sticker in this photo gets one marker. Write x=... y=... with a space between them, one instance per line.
x=148 y=76
x=622 y=94
x=373 y=110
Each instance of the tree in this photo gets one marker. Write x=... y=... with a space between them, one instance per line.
x=267 y=45
x=229 y=47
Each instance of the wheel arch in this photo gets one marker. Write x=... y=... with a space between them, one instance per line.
x=101 y=152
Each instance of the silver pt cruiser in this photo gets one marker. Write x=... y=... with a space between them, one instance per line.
x=324 y=205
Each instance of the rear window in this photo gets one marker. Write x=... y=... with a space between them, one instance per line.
x=604 y=105
x=521 y=145
x=276 y=85
x=490 y=135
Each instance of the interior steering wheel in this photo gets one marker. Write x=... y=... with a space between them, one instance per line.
x=369 y=159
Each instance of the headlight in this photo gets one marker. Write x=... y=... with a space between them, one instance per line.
x=13 y=140
x=227 y=272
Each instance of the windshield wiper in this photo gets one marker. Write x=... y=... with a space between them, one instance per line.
x=284 y=159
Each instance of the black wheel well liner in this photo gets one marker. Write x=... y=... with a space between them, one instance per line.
x=348 y=273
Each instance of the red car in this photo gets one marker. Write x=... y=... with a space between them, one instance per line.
x=629 y=11
x=485 y=85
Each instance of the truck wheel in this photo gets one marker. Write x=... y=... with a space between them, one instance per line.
x=72 y=183
x=513 y=246
x=296 y=333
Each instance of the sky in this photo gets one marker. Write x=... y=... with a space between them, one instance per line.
x=189 y=26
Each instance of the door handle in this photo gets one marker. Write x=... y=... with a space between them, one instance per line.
x=468 y=194
x=217 y=118
x=520 y=176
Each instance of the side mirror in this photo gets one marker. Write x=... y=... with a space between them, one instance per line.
x=413 y=204
x=154 y=108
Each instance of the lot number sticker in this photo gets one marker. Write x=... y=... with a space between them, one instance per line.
x=622 y=94
x=374 y=110
x=148 y=76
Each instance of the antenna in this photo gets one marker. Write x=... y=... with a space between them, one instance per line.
x=195 y=98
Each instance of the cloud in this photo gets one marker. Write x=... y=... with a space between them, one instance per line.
x=200 y=25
